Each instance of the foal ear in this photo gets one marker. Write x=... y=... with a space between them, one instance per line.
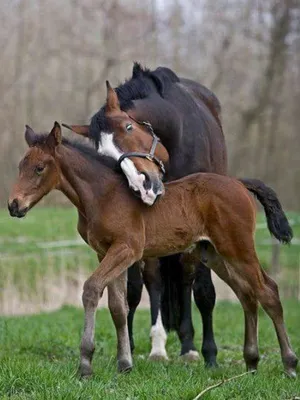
x=54 y=138
x=30 y=136
x=82 y=130
x=112 y=101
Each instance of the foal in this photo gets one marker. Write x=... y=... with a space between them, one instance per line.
x=122 y=230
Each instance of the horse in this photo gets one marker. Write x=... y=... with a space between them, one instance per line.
x=185 y=117
x=122 y=230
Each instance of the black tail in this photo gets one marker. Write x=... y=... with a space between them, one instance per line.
x=276 y=219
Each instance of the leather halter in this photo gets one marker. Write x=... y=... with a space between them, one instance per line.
x=149 y=156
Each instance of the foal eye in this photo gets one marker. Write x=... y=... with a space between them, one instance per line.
x=39 y=169
x=129 y=127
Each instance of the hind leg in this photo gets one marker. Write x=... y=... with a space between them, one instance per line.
x=134 y=294
x=205 y=298
x=248 y=300
x=270 y=301
x=152 y=279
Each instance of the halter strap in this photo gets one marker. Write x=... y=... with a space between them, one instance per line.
x=149 y=156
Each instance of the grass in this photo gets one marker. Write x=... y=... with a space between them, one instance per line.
x=39 y=356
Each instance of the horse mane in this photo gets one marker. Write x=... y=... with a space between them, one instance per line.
x=142 y=84
x=85 y=149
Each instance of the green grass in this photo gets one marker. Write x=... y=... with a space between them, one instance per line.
x=39 y=356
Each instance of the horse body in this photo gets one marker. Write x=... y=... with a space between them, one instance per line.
x=212 y=206
x=185 y=115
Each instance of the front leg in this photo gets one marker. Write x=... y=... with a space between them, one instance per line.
x=117 y=259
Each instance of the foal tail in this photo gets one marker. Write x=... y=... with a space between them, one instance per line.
x=276 y=219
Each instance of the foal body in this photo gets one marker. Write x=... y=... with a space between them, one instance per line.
x=122 y=230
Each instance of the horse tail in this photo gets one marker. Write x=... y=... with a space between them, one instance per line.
x=172 y=291
x=276 y=219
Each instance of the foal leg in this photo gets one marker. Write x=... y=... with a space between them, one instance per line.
x=270 y=301
x=152 y=280
x=205 y=298
x=118 y=309
x=117 y=259
x=134 y=294
x=248 y=300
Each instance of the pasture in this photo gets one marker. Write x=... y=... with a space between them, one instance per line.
x=42 y=257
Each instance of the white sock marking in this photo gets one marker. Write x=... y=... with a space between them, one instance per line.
x=158 y=339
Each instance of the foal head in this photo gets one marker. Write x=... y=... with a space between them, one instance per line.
x=38 y=171
x=134 y=145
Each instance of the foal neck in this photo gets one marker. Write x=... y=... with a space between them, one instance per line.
x=82 y=180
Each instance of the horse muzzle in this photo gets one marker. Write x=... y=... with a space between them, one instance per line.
x=153 y=188
x=15 y=210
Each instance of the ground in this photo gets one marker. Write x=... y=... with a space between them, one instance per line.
x=39 y=356
x=41 y=267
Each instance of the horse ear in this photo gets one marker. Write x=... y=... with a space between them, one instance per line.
x=54 y=138
x=30 y=136
x=112 y=101
x=82 y=130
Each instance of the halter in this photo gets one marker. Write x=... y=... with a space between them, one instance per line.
x=149 y=156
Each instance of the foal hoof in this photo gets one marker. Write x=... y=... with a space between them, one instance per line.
x=124 y=366
x=291 y=373
x=85 y=372
x=158 y=357
x=190 y=356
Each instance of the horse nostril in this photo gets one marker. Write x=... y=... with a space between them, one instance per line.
x=13 y=206
x=147 y=182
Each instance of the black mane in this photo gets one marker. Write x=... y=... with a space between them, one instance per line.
x=85 y=149
x=142 y=84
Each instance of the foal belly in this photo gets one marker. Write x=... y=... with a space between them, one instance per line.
x=166 y=244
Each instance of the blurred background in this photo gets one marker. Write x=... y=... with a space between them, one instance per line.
x=55 y=58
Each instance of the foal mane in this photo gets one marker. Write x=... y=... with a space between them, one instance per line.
x=85 y=149
x=142 y=84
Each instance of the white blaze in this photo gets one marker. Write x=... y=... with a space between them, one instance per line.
x=135 y=179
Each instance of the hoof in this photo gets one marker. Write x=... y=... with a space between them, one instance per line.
x=85 y=372
x=158 y=357
x=124 y=366
x=191 y=356
x=211 y=364
x=291 y=373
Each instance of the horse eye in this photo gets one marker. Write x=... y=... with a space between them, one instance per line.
x=39 y=169
x=129 y=127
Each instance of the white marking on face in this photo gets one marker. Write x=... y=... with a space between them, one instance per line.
x=158 y=340
x=135 y=179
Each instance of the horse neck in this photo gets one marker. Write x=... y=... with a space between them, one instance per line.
x=80 y=179
x=160 y=113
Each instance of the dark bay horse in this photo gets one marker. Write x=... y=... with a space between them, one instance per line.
x=122 y=230
x=185 y=116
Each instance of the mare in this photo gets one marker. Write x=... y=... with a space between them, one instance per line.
x=185 y=117
x=122 y=230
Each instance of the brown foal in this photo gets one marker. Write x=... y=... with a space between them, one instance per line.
x=122 y=230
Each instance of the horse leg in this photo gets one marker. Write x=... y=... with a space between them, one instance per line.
x=134 y=294
x=249 y=302
x=186 y=330
x=205 y=298
x=118 y=309
x=152 y=280
x=269 y=298
x=117 y=259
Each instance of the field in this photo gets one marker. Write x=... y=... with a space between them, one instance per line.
x=39 y=356
x=41 y=257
